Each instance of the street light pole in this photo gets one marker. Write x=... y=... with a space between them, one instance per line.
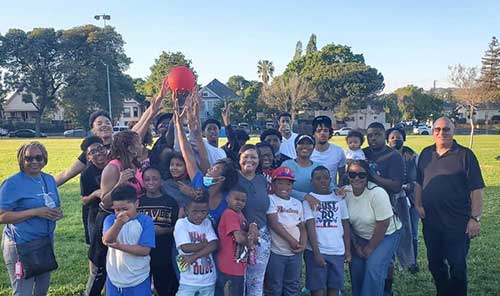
x=104 y=18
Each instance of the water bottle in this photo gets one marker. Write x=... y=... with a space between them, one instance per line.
x=49 y=201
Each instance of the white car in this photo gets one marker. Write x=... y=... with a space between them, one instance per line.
x=422 y=129
x=342 y=132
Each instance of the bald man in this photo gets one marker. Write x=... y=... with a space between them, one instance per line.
x=449 y=199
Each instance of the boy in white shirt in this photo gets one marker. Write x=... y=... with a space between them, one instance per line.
x=288 y=235
x=288 y=136
x=129 y=237
x=196 y=240
x=329 y=238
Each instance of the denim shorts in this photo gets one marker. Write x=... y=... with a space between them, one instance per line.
x=321 y=278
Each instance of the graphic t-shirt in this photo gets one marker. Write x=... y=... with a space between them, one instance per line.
x=202 y=272
x=328 y=219
x=290 y=215
x=164 y=212
x=229 y=250
x=124 y=269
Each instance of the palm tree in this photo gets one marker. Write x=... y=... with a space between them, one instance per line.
x=265 y=69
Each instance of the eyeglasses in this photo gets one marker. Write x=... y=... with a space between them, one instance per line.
x=361 y=175
x=38 y=158
x=98 y=149
x=437 y=130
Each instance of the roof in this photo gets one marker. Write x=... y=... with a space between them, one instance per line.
x=221 y=90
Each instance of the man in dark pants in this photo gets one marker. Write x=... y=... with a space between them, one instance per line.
x=449 y=199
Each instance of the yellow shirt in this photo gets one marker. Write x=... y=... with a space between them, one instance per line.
x=371 y=206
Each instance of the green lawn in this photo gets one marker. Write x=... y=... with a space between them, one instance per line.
x=71 y=276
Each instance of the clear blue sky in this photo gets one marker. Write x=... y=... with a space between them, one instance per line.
x=408 y=41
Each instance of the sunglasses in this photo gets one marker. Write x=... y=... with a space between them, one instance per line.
x=98 y=149
x=361 y=175
x=437 y=130
x=38 y=158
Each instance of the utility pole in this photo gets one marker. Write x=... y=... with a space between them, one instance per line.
x=106 y=17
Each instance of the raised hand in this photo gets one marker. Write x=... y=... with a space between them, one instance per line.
x=226 y=113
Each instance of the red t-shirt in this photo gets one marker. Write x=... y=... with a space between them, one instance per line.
x=229 y=249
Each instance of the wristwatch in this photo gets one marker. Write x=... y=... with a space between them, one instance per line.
x=476 y=218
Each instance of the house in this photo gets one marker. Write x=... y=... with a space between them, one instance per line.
x=360 y=118
x=132 y=111
x=14 y=109
x=489 y=112
x=213 y=93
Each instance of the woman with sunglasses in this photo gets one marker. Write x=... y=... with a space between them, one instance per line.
x=375 y=231
x=30 y=205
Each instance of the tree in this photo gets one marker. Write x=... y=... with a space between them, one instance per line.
x=389 y=103
x=467 y=92
x=341 y=79
x=298 y=50
x=311 y=45
x=160 y=69
x=265 y=70
x=290 y=93
x=35 y=65
x=414 y=103
x=490 y=70
x=236 y=83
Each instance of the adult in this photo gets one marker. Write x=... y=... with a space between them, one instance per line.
x=235 y=138
x=101 y=125
x=374 y=229
x=396 y=138
x=274 y=138
x=123 y=168
x=386 y=170
x=303 y=167
x=30 y=206
x=219 y=178
x=288 y=136
x=449 y=199
x=255 y=186
x=329 y=155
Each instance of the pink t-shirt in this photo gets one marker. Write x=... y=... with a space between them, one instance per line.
x=138 y=183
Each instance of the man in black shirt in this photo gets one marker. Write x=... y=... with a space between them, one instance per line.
x=449 y=199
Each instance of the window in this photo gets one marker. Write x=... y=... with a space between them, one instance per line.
x=126 y=112
x=361 y=117
x=205 y=94
x=375 y=117
x=136 y=112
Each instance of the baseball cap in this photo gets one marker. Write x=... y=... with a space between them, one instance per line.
x=283 y=173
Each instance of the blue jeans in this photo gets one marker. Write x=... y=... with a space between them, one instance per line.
x=283 y=274
x=368 y=275
x=414 y=220
x=187 y=290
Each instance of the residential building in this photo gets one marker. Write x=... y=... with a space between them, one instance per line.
x=15 y=109
x=132 y=111
x=213 y=93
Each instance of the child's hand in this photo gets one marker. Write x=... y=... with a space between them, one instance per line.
x=294 y=244
x=126 y=175
x=114 y=245
x=122 y=217
x=320 y=260
x=299 y=249
x=347 y=257
x=187 y=260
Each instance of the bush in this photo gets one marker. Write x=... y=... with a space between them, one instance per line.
x=45 y=126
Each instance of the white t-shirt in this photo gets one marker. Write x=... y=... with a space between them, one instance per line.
x=214 y=153
x=288 y=146
x=371 y=206
x=124 y=269
x=332 y=158
x=202 y=272
x=290 y=215
x=355 y=154
x=329 y=230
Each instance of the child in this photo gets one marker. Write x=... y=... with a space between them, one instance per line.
x=164 y=211
x=90 y=184
x=196 y=241
x=354 y=141
x=329 y=240
x=129 y=237
x=234 y=245
x=288 y=236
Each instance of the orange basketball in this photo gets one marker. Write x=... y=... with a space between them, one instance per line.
x=180 y=78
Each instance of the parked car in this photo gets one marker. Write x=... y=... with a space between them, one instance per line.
x=75 y=133
x=342 y=132
x=422 y=129
x=3 y=132
x=118 y=128
x=25 y=133
x=244 y=126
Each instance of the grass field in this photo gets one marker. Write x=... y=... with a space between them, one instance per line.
x=69 y=279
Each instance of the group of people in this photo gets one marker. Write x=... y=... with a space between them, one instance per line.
x=188 y=217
